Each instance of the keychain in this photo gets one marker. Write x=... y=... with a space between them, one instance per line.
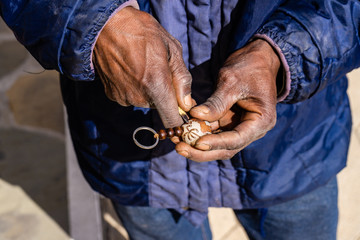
x=189 y=132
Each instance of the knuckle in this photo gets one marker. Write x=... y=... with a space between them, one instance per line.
x=232 y=146
x=114 y=95
x=183 y=77
x=138 y=101
x=186 y=79
x=199 y=160
x=272 y=123
x=147 y=83
x=228 y=77
x=234 y=143
x=228 y=81
x=109 y=94
x=226 y=141
x=174 y=49
x=177 y=45
x=181 y=71
x=270 y=119
x=228 y=155
x=121 y=101
x=216 y=103
x=154 y=85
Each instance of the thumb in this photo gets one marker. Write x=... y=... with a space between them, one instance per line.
x=215 y=106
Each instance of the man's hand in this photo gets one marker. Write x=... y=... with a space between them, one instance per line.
x=141 y=64
x=243 y=105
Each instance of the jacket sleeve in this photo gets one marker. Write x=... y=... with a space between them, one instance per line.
x=318 y=41
x=60 y=34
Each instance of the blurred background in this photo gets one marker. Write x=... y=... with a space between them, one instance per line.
x=42 y=193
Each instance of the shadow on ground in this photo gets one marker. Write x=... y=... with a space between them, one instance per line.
x=36 y=163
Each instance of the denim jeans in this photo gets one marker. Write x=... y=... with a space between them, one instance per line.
x=313 y=216
x=146 y=223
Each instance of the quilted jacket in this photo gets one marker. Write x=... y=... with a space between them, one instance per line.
x=318 y=42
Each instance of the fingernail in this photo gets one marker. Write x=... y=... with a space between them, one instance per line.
x=187 y=100
x=175 y=140
x=202 y=109
x=203 y=146
x=183 y=153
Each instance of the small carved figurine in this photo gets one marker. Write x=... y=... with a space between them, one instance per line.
x=195 y=129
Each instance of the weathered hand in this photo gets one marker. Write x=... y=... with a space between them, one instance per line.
x=243 y=105
x=141 y=64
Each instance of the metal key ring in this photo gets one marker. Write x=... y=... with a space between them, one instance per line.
x=156 y=136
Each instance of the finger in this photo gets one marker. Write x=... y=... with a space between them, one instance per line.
x=175 y=139
x=167 y=108
x=249 y=130
x=162 y=95
x=193 y=102
x=203 y=156
x=216 y=106
x=230 y=120
x=181 y=77
x=113 y=94
x=214 y=125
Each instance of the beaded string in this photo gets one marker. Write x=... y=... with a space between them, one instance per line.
x=189 y=132
x=160 y=135
x=170 y=132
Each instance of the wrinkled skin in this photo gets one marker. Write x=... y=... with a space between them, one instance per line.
x=140 y=64
x=243 y=105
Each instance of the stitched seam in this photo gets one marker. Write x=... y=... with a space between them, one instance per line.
x=63 y=35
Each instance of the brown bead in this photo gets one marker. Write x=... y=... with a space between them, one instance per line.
x=162 y=134
x=178 y=131
x=170 y=132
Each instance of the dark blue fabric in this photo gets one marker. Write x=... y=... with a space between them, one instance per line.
x=320 y=41
x=108 y=157
x=59 y=34
x=307 y=147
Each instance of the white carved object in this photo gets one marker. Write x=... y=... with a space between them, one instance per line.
x=195 y=129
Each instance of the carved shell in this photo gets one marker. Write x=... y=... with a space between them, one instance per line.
x=195 y=129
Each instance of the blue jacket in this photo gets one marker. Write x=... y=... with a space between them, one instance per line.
x=319 y=43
